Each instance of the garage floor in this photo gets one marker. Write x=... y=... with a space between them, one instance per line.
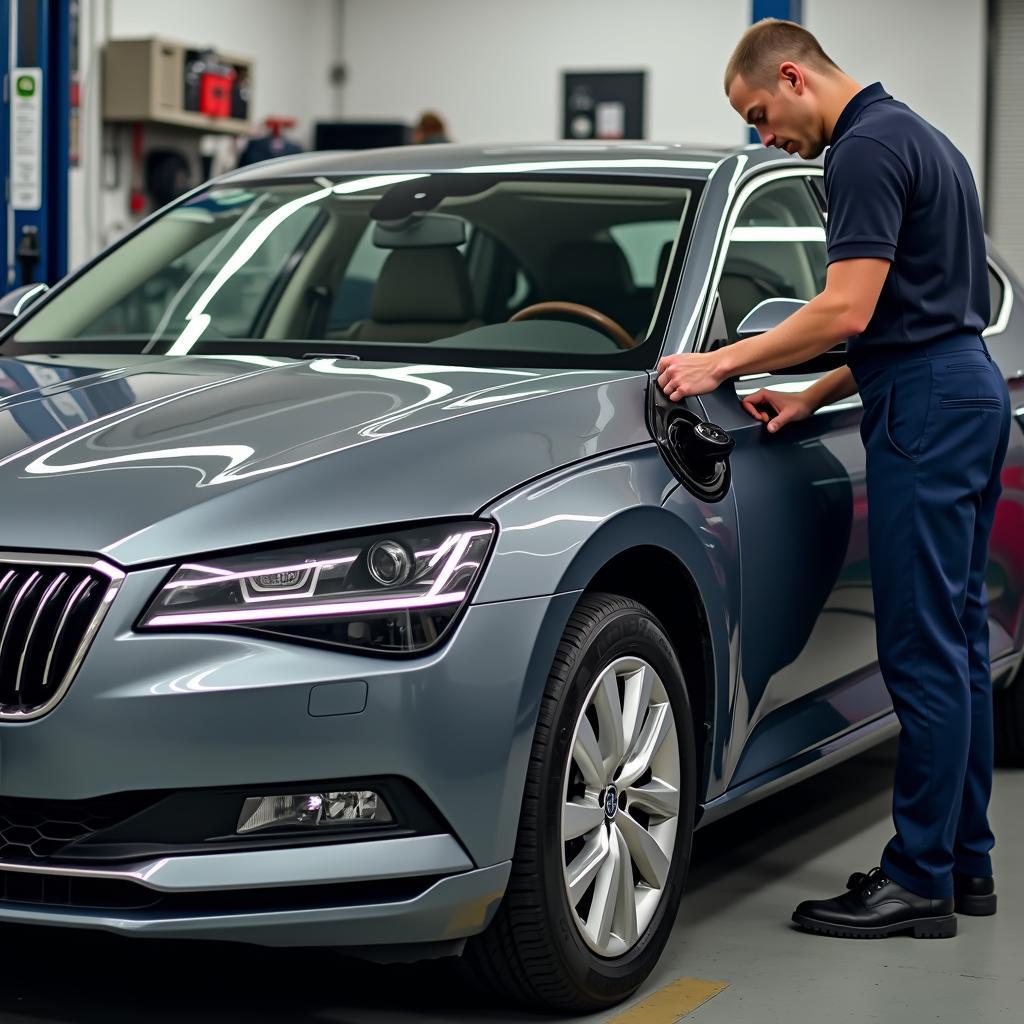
x=749 y=872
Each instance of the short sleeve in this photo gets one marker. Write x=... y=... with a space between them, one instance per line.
x=868 y=186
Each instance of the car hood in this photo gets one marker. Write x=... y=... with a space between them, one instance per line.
x=146 y=458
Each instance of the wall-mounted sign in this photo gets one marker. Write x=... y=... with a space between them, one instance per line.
x=603 y=105
x=27 y=138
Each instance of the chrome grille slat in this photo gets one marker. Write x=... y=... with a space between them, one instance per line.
x=13 y=611
x=58 y=633
x=44 y=635
x=54 y=586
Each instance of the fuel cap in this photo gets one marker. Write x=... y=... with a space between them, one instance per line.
x=713 y=440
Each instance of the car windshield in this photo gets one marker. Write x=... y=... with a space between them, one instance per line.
x=470 y=267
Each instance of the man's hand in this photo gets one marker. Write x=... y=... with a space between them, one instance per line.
x=788 y=408
x=691 y=373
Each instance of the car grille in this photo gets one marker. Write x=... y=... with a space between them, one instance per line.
x=49 y=612
x=35 y=830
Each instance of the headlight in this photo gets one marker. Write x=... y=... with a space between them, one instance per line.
x=396 y=592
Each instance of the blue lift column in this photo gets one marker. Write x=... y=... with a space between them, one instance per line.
x=35 y=61
x=786 y=10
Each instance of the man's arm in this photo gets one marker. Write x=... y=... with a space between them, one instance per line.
x=789 y=407
x=833 y=387
x=842 y=310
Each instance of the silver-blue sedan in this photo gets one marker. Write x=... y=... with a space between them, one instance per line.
x=359 y=587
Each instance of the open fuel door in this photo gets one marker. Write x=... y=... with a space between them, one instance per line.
x=697 y=451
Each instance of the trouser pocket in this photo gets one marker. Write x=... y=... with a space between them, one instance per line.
x=970 y=403
x=907 y=409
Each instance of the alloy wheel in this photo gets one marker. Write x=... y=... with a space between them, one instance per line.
x=620 y=809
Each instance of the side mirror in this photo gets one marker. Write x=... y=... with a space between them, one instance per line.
x=14 y=303
x=766 y=315
x=772 y=312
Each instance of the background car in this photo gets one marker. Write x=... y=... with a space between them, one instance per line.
x=360 y=588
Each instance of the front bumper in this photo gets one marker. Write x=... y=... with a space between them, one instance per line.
x=450 y=909
x=446 y=909
x=199 y=711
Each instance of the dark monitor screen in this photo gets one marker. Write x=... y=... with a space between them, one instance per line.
x=359 y=134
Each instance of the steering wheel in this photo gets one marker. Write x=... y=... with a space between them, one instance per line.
x=597 y=319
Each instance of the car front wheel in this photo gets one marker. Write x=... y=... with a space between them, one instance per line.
x=607 y=819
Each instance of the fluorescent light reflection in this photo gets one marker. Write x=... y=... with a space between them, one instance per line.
x=197 y=319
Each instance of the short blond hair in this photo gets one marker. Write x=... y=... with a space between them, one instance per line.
x=766 y=45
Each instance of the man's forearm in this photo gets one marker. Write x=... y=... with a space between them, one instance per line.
x=823 y=323
x=833 y=387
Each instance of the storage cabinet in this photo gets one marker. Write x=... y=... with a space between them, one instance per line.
x=146 y=80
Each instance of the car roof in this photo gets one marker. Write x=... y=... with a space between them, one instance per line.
x=636 y=157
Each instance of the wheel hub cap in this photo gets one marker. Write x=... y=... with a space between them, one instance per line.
x=611 y=803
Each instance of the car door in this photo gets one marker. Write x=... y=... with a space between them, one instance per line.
x=807 y=668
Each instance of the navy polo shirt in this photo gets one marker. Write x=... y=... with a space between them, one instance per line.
x=899 y=190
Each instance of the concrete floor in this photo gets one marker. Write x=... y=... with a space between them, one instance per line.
x=748 y=873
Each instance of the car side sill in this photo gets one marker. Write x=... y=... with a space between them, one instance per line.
x=800 y=767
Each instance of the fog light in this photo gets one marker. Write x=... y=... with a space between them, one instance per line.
x=312 y=810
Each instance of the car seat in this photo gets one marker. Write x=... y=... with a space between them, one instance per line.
x=420 y=295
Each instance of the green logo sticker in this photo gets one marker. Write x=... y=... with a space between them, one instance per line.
x=26 y=85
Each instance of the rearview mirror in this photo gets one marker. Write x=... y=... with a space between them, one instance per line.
x=420 y=231
x=14 y=303
x=772 y=312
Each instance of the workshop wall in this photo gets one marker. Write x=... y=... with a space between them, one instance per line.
x=929 y=53
x=493 y=68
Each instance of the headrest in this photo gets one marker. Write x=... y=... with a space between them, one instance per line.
x=429 y=284
x=588 y=266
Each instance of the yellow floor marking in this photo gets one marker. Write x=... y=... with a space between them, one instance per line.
x=671 y=1003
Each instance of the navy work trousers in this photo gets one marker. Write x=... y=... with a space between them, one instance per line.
x=936 y=427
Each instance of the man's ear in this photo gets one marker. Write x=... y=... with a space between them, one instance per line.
x=791 y=76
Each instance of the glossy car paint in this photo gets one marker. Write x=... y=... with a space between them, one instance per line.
x=147 y=460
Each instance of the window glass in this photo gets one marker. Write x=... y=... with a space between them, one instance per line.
x=387 y=260
x=775 y=250
x=995 y=289
x=646 y=246
x=192 y=259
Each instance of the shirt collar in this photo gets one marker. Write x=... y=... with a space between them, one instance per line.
x=856 y=106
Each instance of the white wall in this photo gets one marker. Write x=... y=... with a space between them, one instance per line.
x=493 y=67
x=929 y=53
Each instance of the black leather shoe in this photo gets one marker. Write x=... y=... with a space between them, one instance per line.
x=974 y=895
x=874 y=907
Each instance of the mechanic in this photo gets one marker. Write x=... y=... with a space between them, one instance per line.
x=907 y=284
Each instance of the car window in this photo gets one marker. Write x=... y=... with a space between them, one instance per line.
x=776 y=250
x=646 y=245
x=443 y=259
x=202 y=236
x=995 y=289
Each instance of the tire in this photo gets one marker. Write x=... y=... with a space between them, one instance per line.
x=535 y=951
x=1008 y=712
